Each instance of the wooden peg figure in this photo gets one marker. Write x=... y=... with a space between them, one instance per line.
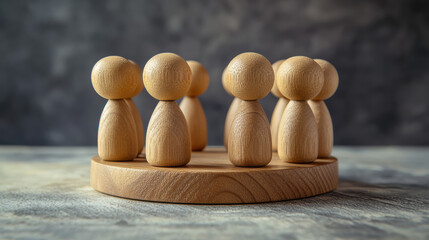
x=278 y=109
x=191 y=106
x=231 y=111
x=250 y=77
x=136 y=115
x=321 y=112
x=116 y=78
x=298 y=79
x=167 y=77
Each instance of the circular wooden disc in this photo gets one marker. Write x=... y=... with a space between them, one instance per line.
x=210 y=178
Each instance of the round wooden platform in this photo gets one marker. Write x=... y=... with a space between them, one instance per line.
x=210 y=178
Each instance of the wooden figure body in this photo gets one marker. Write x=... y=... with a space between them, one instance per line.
x=278 y=109
x=231 y=111
x=321 y=112
x=192 y=109
x=250 y=77
x=116 y=78
x=299 y=79
x=167 y=77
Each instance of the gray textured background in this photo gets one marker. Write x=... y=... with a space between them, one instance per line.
x=48 y=48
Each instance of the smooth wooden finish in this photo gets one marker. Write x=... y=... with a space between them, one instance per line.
x=321 y=112
x=196 y=120
x=230 y=115
x=324 y=126
x=299 y=79
x=168 y=141
x=117 y=139
x=138 y=124
x=298 y=136
x=250 y=77
x=275 y=120
x=120 y=132
x=210 y=179
x=249 y=141
x=167 y=76
x=278 y=109
x=191 y=106
x=115 y=77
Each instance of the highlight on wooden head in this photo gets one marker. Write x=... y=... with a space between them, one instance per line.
x=200 y=79
x=299 y=78
x=167 y=76
x=249 y=76
x=115 y=77
x=330 y=84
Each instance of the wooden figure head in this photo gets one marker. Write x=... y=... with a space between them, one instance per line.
x=299 y=78
x=275 y=90
x=167 y=76
x=330 y=84
x=115 y=77
x=223 y=81
x=249 y=76
x=200 y=79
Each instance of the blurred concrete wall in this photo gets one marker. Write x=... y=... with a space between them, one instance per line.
x=48 y=48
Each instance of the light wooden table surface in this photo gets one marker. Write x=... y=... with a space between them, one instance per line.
x=45 y=194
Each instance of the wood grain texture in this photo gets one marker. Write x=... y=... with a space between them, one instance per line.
x=211 y=179
x=275 y=90
x=168 y=141
x=249 y=140
x=275 y=120
x=230 y=115
x=167 y=76
x=200 y=79
x=299 y=78
x=115 y=77
x=298 y=134
x=117 y=138
x=196 y=120
x=249 y=76
x=324 y=126
x=138 y=124
x=330 y=82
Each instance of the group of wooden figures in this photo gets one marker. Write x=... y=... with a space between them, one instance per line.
x=300 y=131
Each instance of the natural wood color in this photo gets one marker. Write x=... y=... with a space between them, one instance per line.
x=324 y=126
x=115 y=77
x=275 y=120
x=249 y=140
x=321 y=112
x=249 y=76
x=200 y=79
x=196 y=120
x=299 y=78
x=117 y=139
x=168 y=141
x=275 y=90
x=298 y=136
x=167 y=76
x=330 y=83
x=230 y=115
x=138 y=124
x=224 y=81
x=210 y=179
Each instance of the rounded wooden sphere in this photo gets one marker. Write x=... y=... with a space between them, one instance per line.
x=224 y=83
x=249 y=76
x=167 y=76
x=275 y=90
x=140 y=85
x=299 y=78
x=115 y=77
x=330 y=84
x=200 y=79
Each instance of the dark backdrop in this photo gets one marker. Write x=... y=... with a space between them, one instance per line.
x=48 y=48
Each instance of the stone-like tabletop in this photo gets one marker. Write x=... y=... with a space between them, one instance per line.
x=45 y=194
